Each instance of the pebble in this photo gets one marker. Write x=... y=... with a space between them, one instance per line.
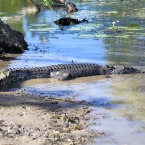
x=16 y=131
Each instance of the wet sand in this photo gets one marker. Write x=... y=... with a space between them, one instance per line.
x=27 y=119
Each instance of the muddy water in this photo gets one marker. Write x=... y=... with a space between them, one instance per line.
x=119 y=100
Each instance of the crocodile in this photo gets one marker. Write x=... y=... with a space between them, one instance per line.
x=62 y=72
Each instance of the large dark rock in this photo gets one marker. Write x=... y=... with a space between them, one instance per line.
x=11 y=41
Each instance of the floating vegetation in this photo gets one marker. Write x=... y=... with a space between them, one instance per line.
x=112 y=12
x=122 y=36
x=84 y=12
x=94 y=36
x=103 y=36
x=125 y=28
x=142 y=34
x=84 y=28
x=42 y=29
x=133 y=25
x=38 y=25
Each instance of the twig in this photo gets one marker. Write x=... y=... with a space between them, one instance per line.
x=53 y=10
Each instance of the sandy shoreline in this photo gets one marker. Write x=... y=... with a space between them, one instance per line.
x=27 y=119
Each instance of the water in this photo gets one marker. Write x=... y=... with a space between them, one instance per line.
x=119 y=100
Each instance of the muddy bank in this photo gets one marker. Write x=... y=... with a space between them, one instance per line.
x=38 y=120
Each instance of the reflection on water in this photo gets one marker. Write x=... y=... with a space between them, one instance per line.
x=119 y=98
x=75 y=87
x=134 y=93
x=64 y=44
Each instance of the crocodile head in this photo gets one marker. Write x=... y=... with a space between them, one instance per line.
x=126 y=70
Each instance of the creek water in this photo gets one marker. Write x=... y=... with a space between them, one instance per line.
x=114 y=35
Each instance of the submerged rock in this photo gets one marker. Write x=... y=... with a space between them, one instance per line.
x=11 y=41
x=67 y=21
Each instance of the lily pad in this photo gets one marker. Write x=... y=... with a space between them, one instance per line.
x=87 y=27
x=38 y=25
x=121 y=28
x=142 y=34
x=112 y=12
x=122 y=36
x=42 y=29
x=94 y=36
x=102 y=35
x=76 y=29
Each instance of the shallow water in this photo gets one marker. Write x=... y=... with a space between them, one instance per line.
x=119 y=100
x=118 y=106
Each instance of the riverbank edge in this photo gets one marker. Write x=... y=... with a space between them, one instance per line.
x=27 y=119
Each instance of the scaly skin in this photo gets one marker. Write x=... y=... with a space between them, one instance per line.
x=62 y=72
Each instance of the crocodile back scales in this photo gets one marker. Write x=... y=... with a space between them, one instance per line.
x=77 y=70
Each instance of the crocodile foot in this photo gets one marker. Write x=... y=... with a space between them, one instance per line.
x=61 y=75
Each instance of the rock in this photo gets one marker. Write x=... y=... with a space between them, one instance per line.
x=11 y=41
x=16 y=131
x=11 y=135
